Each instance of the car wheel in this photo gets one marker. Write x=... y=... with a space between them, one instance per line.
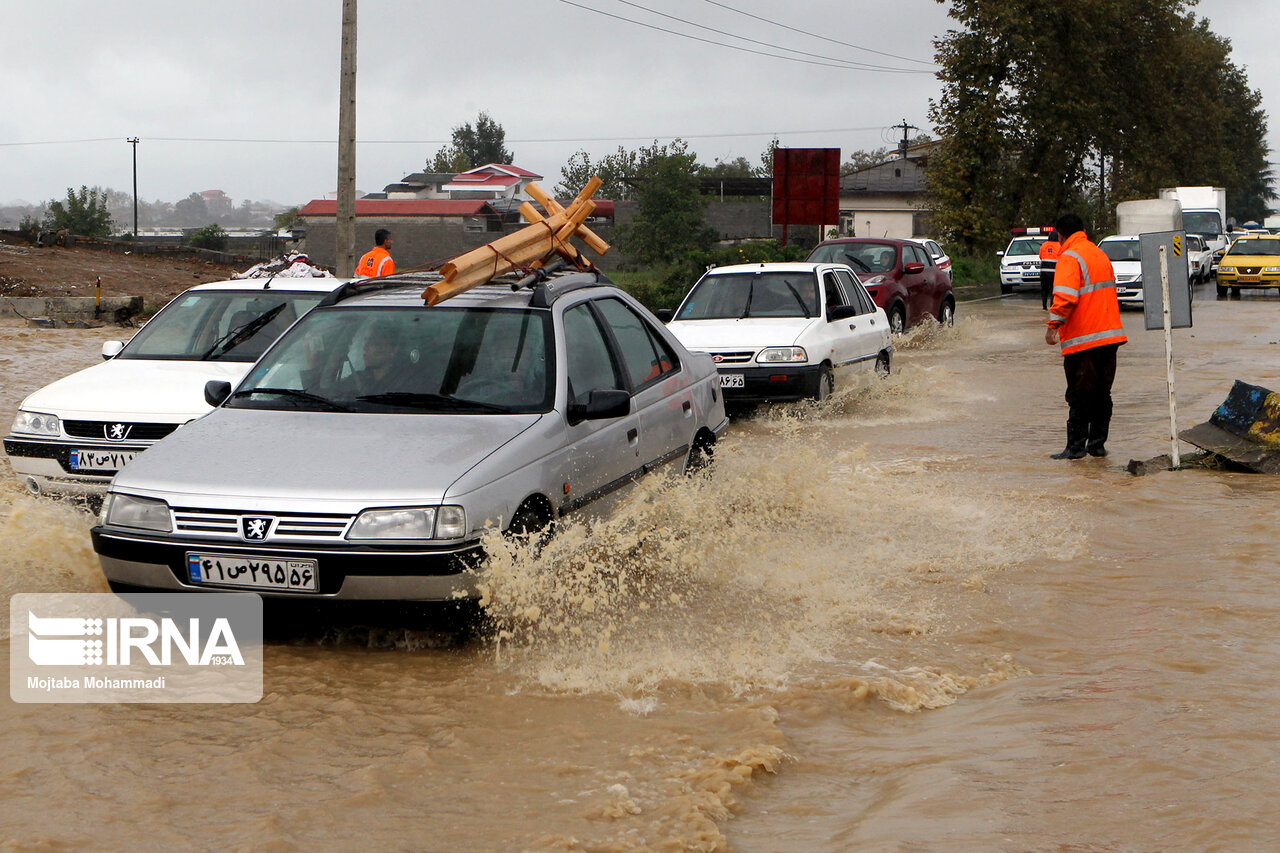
x=701 y=455
x=882 y=365
x=1006 y=288
x=947 y=313
x=1222 y=291
x=826 y=383
x=532 y=521
x=897 y=319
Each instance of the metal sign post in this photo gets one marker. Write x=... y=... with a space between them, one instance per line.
x=1168 y=358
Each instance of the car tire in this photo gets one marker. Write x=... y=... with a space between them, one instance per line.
x=701 y=455
x=947 y=312
x=533 y=521
x=883 y=365
x=897 y=320
x=1222 y=291
x=1005 y=289
x=826 y=383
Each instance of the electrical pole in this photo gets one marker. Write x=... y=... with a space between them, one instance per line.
x=134 y=142
x=345 y=234
x=902 y=146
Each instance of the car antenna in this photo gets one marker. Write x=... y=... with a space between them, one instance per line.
x=267 y=286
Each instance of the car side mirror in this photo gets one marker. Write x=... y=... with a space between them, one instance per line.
x=665 y=315
x=216 y=392
x=911 y=269
x=602 y=404
x=841 y=312
x=110 y=349
x=999 y=254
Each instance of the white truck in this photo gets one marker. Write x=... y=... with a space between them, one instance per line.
x=1204 y=212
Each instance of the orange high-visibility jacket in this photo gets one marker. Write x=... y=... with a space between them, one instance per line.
x=376 y=262
x=1085 y=311
x=1049 y=251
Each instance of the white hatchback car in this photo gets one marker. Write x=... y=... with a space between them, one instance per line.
x=73 y=435
x=780 y=331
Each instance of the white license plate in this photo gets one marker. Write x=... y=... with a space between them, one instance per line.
x=101 y=460
x=732 y=380
x=253 y=572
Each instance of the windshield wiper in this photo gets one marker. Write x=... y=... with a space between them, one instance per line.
x=296 y=394
x=234 y=337
x=796 y=294
x=426 y=401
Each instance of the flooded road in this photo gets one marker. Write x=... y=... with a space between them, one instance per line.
x=887 y=622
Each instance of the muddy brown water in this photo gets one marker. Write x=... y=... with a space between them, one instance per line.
x=889 y=622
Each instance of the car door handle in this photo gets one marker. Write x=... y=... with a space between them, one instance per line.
x=686 y=406
x=632 y=434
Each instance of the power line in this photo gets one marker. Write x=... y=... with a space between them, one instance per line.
x=819 y=36
x=847 y=67
x=851 y=64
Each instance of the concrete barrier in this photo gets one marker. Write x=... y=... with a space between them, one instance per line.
x=114 y=309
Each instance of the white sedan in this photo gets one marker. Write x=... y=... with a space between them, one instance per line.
x=73 y=435
x=782 y=331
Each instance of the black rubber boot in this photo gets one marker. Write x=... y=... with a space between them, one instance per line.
x=1096 y=445
x=1075 y=448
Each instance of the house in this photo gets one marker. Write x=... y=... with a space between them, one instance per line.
x=491 y=181
x=417 y=185
x=887 y=200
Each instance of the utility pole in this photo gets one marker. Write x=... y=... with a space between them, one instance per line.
x=345 y=235
x=902 y=146
x=134 y=142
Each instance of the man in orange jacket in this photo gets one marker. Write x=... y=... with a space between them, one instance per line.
x=1085 y=321
x=377 y=261
x=1048 y=262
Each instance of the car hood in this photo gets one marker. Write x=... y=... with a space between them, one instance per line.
x=259 y=455
x=1252 y=260
x=135 y=389
x=1017 y=259
x=750 y=333
x=1127 y=270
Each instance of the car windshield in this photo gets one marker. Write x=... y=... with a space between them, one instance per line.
x=1024 y=247
x=863 y=257
x=409 y=360
x=219 y=325
x=1205 y=222
x=1121 y=250
x=746 y=294
x=1263 y=246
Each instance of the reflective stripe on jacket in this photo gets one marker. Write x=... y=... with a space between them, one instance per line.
x=1049 y=250
x=1085 y=311
x=376 y=262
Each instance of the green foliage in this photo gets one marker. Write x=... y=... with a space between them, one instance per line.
x=474 y=146
x=613 y=171
x=29 y=224
x=285 y=219
x=974 y=275
x=1049 y=108
x=670 y=209
x=737 y=168
x=664 y=287
x=84 y=213
x=209 y=237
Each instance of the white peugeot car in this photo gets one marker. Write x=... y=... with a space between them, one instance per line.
x=73 y=435
x=780 y=331
x=1020 y=263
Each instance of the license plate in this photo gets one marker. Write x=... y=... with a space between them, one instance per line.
x=1249 y=278
x=732 y=380
x=101 y=460
x=252 y=572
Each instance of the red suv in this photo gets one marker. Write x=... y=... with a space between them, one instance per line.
x=899 y=275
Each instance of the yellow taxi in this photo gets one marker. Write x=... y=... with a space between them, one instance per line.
x=1252 y=261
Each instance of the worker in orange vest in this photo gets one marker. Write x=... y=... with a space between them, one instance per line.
x=377 y=261
x=1048 y=261
x=1085 y=321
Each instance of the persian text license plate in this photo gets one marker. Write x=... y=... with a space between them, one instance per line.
x=732 y=380
x=252 y=572
x=101 y=460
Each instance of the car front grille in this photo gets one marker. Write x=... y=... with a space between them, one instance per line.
x=1248 y=270
x=292 y=525
x=104 y=430
x=723 y=358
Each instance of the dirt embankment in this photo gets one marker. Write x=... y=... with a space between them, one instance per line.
x=26 y=270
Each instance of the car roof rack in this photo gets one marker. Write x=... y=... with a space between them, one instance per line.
x=556 y=279
x=356 y=287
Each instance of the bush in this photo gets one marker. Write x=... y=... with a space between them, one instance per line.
x=209 y=237
x=975 y=272
x=664 y=287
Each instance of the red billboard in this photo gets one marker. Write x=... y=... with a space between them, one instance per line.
x=806 y=186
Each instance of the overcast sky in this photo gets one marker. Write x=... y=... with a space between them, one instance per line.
x=189 y=80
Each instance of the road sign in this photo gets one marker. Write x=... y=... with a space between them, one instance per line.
x=1179 y=287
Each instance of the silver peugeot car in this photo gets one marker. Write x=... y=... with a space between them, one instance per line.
x=368 y=451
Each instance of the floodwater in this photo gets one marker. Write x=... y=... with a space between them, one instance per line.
x=888 y=622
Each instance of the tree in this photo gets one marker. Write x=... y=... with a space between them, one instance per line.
x=209 y=237
x=1047 y=108
x=766 y=159
x=613 y=170
x=191 y=211
x=738 y=168
x=285 y=219
x=84 y=213
x=670 y=210
x=474 y=146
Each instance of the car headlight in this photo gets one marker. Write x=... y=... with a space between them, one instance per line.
x=874 y=280
x=782 y=355
x=37 y=423
x=1227 y=267
x=1272 y=269
x=129 y=511
x=420 y=522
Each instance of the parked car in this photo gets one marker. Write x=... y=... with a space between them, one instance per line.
x=782 y=331
x=1253 y=260
x=1126 y=259
x=899 y=275
x=74 y=434
x=1199 y=259
x=1020 y=263
x=940 y=257
x=371 y=448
